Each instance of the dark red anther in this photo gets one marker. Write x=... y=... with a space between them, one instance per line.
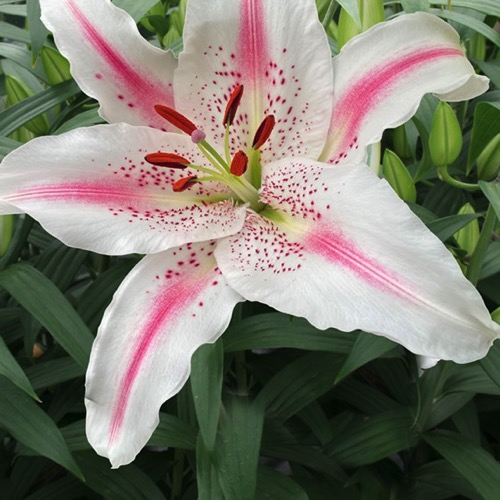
x=232 y=105
x=239 y=164
x=184 y=183
x=263 y=132
x=169 y=160
x=176 y=118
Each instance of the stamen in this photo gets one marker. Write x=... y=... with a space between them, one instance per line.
x=168 y=160
x=197 y=136
x=184 y=183
x=176 y=119
x=232 y=106
x=263 y=132
x=239 y=164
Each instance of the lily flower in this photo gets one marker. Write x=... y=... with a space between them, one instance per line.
x=238 y=170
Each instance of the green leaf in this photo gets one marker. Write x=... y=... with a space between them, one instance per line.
x=274 y=330
x=491 y=363
x=84 y=119
x=375 y=438
x=134 y=8
x=173 y=432
x=366 y=348
x=16 y=116
x=492 y=191
x=11 y=32
x=53 y=372
x=436 y=480
x=126 y=483
x=472 y=461
x=470 y=22
x=446 y=227
x=7 y=145
x=47 y=304
x=11 y=369
x=13 y=10
x=491 y=7
x=207 y=366
x=237 y=448
x=273 y=485
x=38 y=31
x=491 y=264
x=351 y=7
x=486 y=127
x=30 y=425
x=22 y=56
x=298 y=384
x=206 y=475
x=491 y=69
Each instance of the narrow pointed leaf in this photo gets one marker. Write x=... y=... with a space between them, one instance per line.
x=237 y=448
x=47 y=304
x=126 y=483
x=16 y=116
x=273 y=485
x=206 y=476
x=30 y=425
x=486 y=127
x=274 y=330
x=492 y=192
x=366 y=348
x=472 y=461
x=10 y=369
x=207 y=366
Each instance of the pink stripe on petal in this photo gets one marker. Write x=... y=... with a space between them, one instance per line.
x=363 y=96
x=252 y=44
x=84 y=192
x=167 y=307
x=334 y=247
x=144 y=92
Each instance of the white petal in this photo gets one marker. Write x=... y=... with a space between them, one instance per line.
x=279 y=52
x=348 y=253
x=110 y=60
x=169 y=305
x=381 y=76
x=92 y=189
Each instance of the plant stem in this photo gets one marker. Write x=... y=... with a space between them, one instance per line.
x=446 y=177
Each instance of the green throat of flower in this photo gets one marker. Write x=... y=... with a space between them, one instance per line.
x=240 y=172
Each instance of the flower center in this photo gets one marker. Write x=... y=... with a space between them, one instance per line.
x=240 y=172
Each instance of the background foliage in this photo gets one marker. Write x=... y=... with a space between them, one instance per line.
x=276 y=409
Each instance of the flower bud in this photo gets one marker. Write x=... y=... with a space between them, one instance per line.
x=488 y=162
x=445 y=138
x=400 y=142
x=396 y=174
x=495 y=315
x=468 y=236
x=55 y=65
x=18 y=91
